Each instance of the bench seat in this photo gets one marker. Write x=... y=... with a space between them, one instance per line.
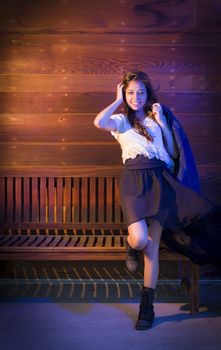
x=75 y=247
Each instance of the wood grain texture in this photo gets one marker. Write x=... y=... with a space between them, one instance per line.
x=107 y=154
x=72 y=16
x=100 y=82
x=209 y=14
x=60 y=63
x=94 y=102
x=102 y=59
x=191 y=37
x=79 y=128
x=76 y=170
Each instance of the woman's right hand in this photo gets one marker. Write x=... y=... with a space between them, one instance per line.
x=120 y=92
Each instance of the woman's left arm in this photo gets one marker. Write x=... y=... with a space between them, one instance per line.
x=168 y=138
x=169 y=141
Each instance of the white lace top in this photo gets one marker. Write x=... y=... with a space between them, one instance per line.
x=132 y=143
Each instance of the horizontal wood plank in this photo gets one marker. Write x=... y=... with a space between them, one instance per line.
x=42 y=246
x=85 y=154
x=80 y=128
x=74 y=254
x=85 y=170
x=101 y=225
x=64 y=171
x=106 y=82
x=101 y=59
x=192 y=37
x=67 y=15
x=94 y=102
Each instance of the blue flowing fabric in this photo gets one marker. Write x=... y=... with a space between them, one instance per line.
x=201 y=240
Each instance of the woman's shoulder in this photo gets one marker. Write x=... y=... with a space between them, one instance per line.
x=120 y=121
x=119 y=116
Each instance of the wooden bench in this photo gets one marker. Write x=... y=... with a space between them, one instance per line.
x=71 y=218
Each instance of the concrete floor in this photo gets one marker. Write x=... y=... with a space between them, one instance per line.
x=36 y=325
x=41 y=312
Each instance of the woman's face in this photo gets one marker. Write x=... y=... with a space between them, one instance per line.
x=136 y=95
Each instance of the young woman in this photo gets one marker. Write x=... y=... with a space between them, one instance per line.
x=156 y=192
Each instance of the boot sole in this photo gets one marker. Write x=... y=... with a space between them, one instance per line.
x=143 y=328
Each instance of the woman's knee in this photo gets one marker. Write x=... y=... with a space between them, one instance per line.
x=138 y=243
x=138 y=235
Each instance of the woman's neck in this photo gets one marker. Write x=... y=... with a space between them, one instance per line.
x=141 y=115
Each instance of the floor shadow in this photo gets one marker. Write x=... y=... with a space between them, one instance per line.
x=132 y=313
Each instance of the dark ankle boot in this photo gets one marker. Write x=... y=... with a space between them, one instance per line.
x=146 y=313
x=132 y=258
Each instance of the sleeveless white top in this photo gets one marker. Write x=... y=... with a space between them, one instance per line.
x=132 y=143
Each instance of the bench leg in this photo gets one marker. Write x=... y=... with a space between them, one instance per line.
x=184 y=276
x=194 y=288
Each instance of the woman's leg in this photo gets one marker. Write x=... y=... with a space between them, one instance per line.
x=136 y=240
x=151 y=256
x=138 y=235
x=151 y=270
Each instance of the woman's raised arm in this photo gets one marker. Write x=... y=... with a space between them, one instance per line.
x=102 y=120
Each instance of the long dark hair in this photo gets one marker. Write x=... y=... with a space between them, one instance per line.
x=152 y=98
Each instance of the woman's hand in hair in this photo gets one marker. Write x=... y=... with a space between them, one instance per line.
x=120 y=92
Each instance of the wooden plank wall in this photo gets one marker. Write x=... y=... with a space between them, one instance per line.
x=61 y=61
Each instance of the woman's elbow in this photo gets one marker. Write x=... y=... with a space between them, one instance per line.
x=97 y=124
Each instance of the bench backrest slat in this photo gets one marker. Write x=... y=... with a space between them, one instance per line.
x=76 y=199
x=109 y=198
x=92 y=197
x=26 y=200
x=101 y=199
x=18 y=199
x=67 y=199
x=118 y=212
x=2 y=199
x=34 y=200
x=9 y=203
x=84 y=199
x=59 y=200
x=43 y=197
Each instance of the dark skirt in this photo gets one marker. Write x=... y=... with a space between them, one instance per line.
x=149 y=190
x=191 y=223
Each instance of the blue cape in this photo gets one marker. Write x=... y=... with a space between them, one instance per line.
x=185 y=166
x=201 y=240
